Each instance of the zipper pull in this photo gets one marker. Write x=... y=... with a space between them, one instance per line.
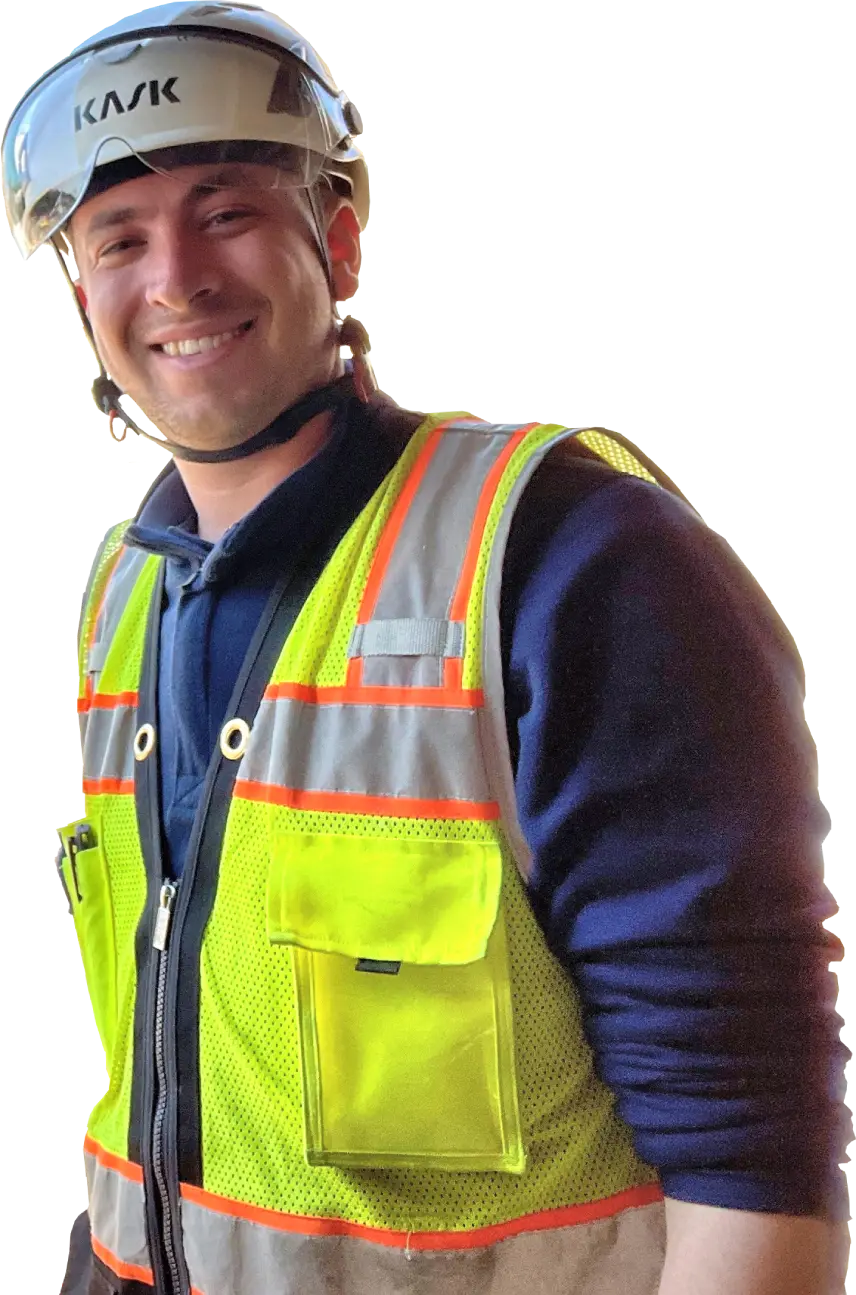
x=164 y=917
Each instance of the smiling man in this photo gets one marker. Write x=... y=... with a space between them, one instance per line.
x=209 y=302
x=449 y=887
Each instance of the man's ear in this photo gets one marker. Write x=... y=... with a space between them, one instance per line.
x=81 y=296
x=343 y=241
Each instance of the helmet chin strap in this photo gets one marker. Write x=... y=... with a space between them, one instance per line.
x=360 y=382
x=284 y=427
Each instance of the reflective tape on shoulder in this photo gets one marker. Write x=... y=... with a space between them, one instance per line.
x=416 y=753
x=438 y=521
x=120 y=586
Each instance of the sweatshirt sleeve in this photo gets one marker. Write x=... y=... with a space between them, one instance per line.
x=667 y=786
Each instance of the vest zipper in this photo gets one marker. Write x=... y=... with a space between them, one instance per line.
x=160 y=940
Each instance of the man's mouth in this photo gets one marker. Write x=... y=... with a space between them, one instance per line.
x=196 y=345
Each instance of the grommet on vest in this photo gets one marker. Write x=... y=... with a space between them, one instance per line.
x=234 y=736
x=353 y=334
x=144 y=742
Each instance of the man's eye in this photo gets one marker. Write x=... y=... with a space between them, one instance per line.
x=116 y=249
x=228 y=216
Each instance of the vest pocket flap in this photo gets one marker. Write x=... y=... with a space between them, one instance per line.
x=413 y=901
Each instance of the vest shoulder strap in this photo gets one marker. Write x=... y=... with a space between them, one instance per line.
x=618 y=453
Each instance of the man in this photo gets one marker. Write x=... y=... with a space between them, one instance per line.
x=449 y=885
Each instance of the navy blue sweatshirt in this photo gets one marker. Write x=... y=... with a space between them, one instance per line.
x=666 y=784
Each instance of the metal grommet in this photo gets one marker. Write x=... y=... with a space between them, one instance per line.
x=234 y=736
x=144 y=742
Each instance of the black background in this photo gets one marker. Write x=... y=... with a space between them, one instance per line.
x=510 y=273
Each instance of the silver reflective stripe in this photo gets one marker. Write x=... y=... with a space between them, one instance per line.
x=117 y=1213
x=425 y=563
x=492 y=719
x=96 y=656
x=119 y=589
x=408 y=637
x=438 y=523
x=422 y=752
x=403 y=671
x=108 y=743
x=620 y=1255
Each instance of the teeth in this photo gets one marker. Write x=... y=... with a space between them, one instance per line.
x=195 y=345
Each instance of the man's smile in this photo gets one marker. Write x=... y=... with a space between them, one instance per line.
x=181 y=347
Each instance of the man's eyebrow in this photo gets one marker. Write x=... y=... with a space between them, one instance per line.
x=228 y=178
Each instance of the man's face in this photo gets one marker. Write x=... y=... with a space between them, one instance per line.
x=168 y=260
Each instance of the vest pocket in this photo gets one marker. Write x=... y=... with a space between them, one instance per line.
x=403 y=1001
x=87 y=885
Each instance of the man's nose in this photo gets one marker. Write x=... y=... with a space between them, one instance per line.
x=181 y=273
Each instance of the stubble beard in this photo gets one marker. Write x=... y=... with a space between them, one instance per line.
x=213 y=426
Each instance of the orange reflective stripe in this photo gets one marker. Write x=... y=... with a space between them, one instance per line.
x=132 y=1272
x=378 y=695
x=453 y=674
x=460 y=602
x=107 y=701
x=108 y=786
x=84 y=703
x=311 y=1225
x=354 y=674
x=349 y=802
x=127 y=1168
x=394 y=523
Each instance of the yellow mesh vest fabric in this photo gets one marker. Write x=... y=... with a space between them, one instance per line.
x=614 y=453
x=252 y=1123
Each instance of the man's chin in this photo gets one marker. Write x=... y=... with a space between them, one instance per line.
x=205 y=427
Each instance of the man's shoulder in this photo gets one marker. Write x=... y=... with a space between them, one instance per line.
x=586 y=462
x=572 y=463
x=569 y=471
x=394 y=424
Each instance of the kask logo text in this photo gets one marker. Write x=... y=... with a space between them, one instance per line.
x=98 y=109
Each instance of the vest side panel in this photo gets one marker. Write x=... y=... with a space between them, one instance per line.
x=110 y=802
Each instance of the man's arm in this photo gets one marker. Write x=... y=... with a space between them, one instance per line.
x=666 y=784
x=712 y=1251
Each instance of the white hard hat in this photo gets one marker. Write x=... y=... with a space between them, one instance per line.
x=173 y=85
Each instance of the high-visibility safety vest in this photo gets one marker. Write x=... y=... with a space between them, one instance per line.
x=341 y=1057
